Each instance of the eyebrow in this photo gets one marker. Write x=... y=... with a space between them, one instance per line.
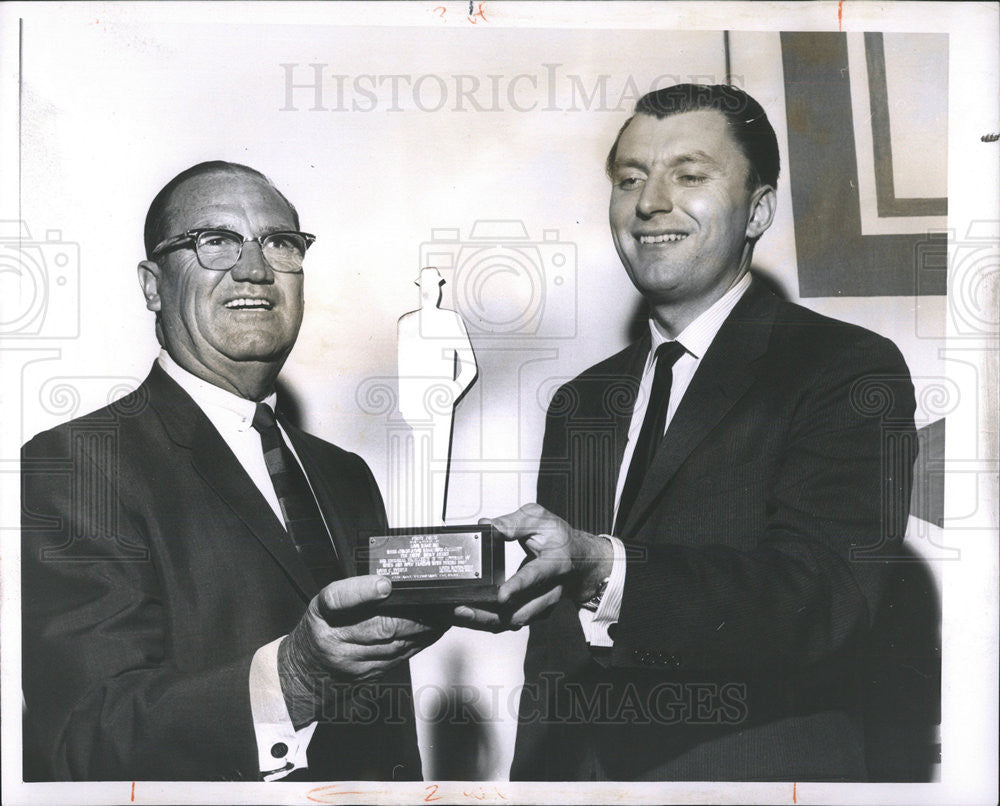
x=628 y=163
x=274 y=229
x=696 y=156
x=236 y=228
x=693 y=156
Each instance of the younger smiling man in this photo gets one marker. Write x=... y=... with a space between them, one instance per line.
x=705 y=561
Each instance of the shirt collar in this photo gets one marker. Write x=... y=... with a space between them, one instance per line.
x=236 y=411
x=698 y=336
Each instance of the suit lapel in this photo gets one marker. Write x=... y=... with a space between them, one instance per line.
x=215 y=463
x=323 y=487
x=635 y=362
x=596 y=432
x=725 y=373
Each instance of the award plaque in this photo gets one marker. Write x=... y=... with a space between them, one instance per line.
x=436 y=565
x=441 y=565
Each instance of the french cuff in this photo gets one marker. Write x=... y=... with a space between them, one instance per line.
x=280 y=748
x=595 y=624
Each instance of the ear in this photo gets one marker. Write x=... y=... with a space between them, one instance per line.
x=149 y=281
x=763 y=203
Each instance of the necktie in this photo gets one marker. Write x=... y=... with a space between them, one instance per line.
x=653 y=425
x=303 y=520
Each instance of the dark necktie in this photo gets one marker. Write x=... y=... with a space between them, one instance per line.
x=298 y=505
x=653 y=425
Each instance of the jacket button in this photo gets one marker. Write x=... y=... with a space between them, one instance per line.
x=279 y=749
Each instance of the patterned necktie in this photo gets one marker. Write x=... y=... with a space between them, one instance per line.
x=303 y=520
x=653 y=425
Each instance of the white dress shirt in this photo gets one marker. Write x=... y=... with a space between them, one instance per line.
x=232 y=417
x=696 y=338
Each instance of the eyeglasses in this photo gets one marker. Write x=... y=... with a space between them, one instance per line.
x=220 y=249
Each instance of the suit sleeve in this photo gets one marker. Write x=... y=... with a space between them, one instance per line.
x=834 y=509
x=104 y=701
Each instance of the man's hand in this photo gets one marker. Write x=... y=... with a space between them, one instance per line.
x=562 y=562
x=340 y=640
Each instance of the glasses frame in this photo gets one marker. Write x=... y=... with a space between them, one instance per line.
x=190 y=238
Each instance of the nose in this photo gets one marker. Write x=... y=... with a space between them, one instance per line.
x=251 y=267
x=655 y=197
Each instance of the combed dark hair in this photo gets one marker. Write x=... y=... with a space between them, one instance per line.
x=153 y=230
x=746 y=118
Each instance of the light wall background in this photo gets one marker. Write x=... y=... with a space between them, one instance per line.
x=114 y=106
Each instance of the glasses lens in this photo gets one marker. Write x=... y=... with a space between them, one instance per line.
x=218 y=249
x=284 y=251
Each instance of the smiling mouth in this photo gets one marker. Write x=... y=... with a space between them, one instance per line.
x=249 y=304
x=667 y=237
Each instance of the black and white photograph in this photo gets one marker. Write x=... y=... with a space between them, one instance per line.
x=499 y=402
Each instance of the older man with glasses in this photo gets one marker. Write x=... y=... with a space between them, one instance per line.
x=191 y=608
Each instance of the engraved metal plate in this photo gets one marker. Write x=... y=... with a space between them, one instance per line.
x=438 y=565
x=435 y=555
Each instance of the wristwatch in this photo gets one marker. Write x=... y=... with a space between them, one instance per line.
x=595 y=601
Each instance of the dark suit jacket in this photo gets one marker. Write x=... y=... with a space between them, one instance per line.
x=152 y=570
x=755 y=564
